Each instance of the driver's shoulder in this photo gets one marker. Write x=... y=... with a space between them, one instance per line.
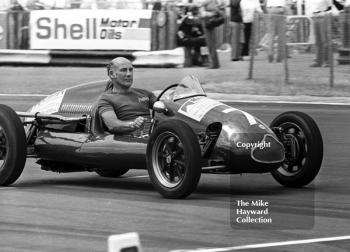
x=141 y=91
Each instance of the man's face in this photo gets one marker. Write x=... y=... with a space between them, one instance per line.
x=122 y=74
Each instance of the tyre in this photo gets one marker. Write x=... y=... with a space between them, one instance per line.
x=174 y=159
x=112 y=173
x=303 y=144
x=13 y=150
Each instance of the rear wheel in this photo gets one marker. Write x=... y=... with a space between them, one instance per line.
x=174 y=159
x=12 y=146
x=112 y=173
x=303 y=145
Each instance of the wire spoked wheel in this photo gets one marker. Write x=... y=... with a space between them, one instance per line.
x=303 y=144
x=174 y=159
x=169 y=159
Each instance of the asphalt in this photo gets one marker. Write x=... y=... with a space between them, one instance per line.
x=45 y=211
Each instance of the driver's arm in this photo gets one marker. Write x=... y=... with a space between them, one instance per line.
x=152 y=100
x=115 y=125
x=112 y=122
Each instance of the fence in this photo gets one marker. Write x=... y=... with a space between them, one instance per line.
x=315 y=50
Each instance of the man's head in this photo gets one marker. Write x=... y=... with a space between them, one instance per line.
x=120 y=71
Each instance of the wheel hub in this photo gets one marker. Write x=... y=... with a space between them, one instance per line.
x=168 y=159
x=295 y=146
x=293 y=149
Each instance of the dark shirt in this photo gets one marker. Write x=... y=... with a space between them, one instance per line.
x=338 y=5
x=191 y=27
x=236 y=15
x=128 y=106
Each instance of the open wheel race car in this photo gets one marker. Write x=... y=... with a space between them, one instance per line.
x=189 y=134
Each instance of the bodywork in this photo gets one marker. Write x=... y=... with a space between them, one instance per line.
x=231 y=140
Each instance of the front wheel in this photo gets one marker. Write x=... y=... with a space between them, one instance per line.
x=303 y=145
x=174 y=159
x=12 y=146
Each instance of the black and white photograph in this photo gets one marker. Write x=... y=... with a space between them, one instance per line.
x=174 y=125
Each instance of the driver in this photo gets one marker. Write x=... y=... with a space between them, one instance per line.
x=123 y=109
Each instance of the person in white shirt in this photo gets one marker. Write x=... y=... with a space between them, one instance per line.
x=248 y=8
x=209 y=8
x=276 y=10
x=318 y=9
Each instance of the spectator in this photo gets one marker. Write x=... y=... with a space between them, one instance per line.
x=180 y=10
x=16 y=6
x=35 y=5
x=236 y=27
x=248 y=7
x=157 y=6
x=276 y=9
x=209 y=9
x=319 y=8
x=191 y=35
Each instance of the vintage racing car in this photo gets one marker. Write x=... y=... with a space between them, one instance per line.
x=189 y=134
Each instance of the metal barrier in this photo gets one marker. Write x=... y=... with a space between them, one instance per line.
x=306 y=47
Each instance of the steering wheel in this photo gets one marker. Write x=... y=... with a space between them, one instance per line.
x=166 y=89
x=163 y=92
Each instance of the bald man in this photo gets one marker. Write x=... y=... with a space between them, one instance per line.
x=123 y=109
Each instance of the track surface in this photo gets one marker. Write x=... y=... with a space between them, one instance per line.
x=44 y=211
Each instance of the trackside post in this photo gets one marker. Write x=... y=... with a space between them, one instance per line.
x=253 y=45
x=330 y=49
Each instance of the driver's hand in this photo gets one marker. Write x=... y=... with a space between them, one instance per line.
x=139 y=122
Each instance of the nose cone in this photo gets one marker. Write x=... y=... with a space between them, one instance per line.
x=268 y=150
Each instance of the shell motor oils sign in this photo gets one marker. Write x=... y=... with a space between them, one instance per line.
x=91 y=29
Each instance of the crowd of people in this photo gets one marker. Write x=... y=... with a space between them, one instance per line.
x=193 y=32
x=198 y=22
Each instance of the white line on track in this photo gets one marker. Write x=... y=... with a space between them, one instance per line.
x=7 y=188
x=44 y=95
x=289 y=102
x=271 y=244
x=25 y=95
x=222 y=100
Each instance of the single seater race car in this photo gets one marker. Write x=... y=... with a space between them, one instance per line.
x=189 y=134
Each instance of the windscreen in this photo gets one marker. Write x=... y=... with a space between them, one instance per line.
x=188 y=87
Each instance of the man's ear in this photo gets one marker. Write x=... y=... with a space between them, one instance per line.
x=111 y=74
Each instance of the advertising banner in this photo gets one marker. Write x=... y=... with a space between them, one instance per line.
x=3 y=30
x=91 y=29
